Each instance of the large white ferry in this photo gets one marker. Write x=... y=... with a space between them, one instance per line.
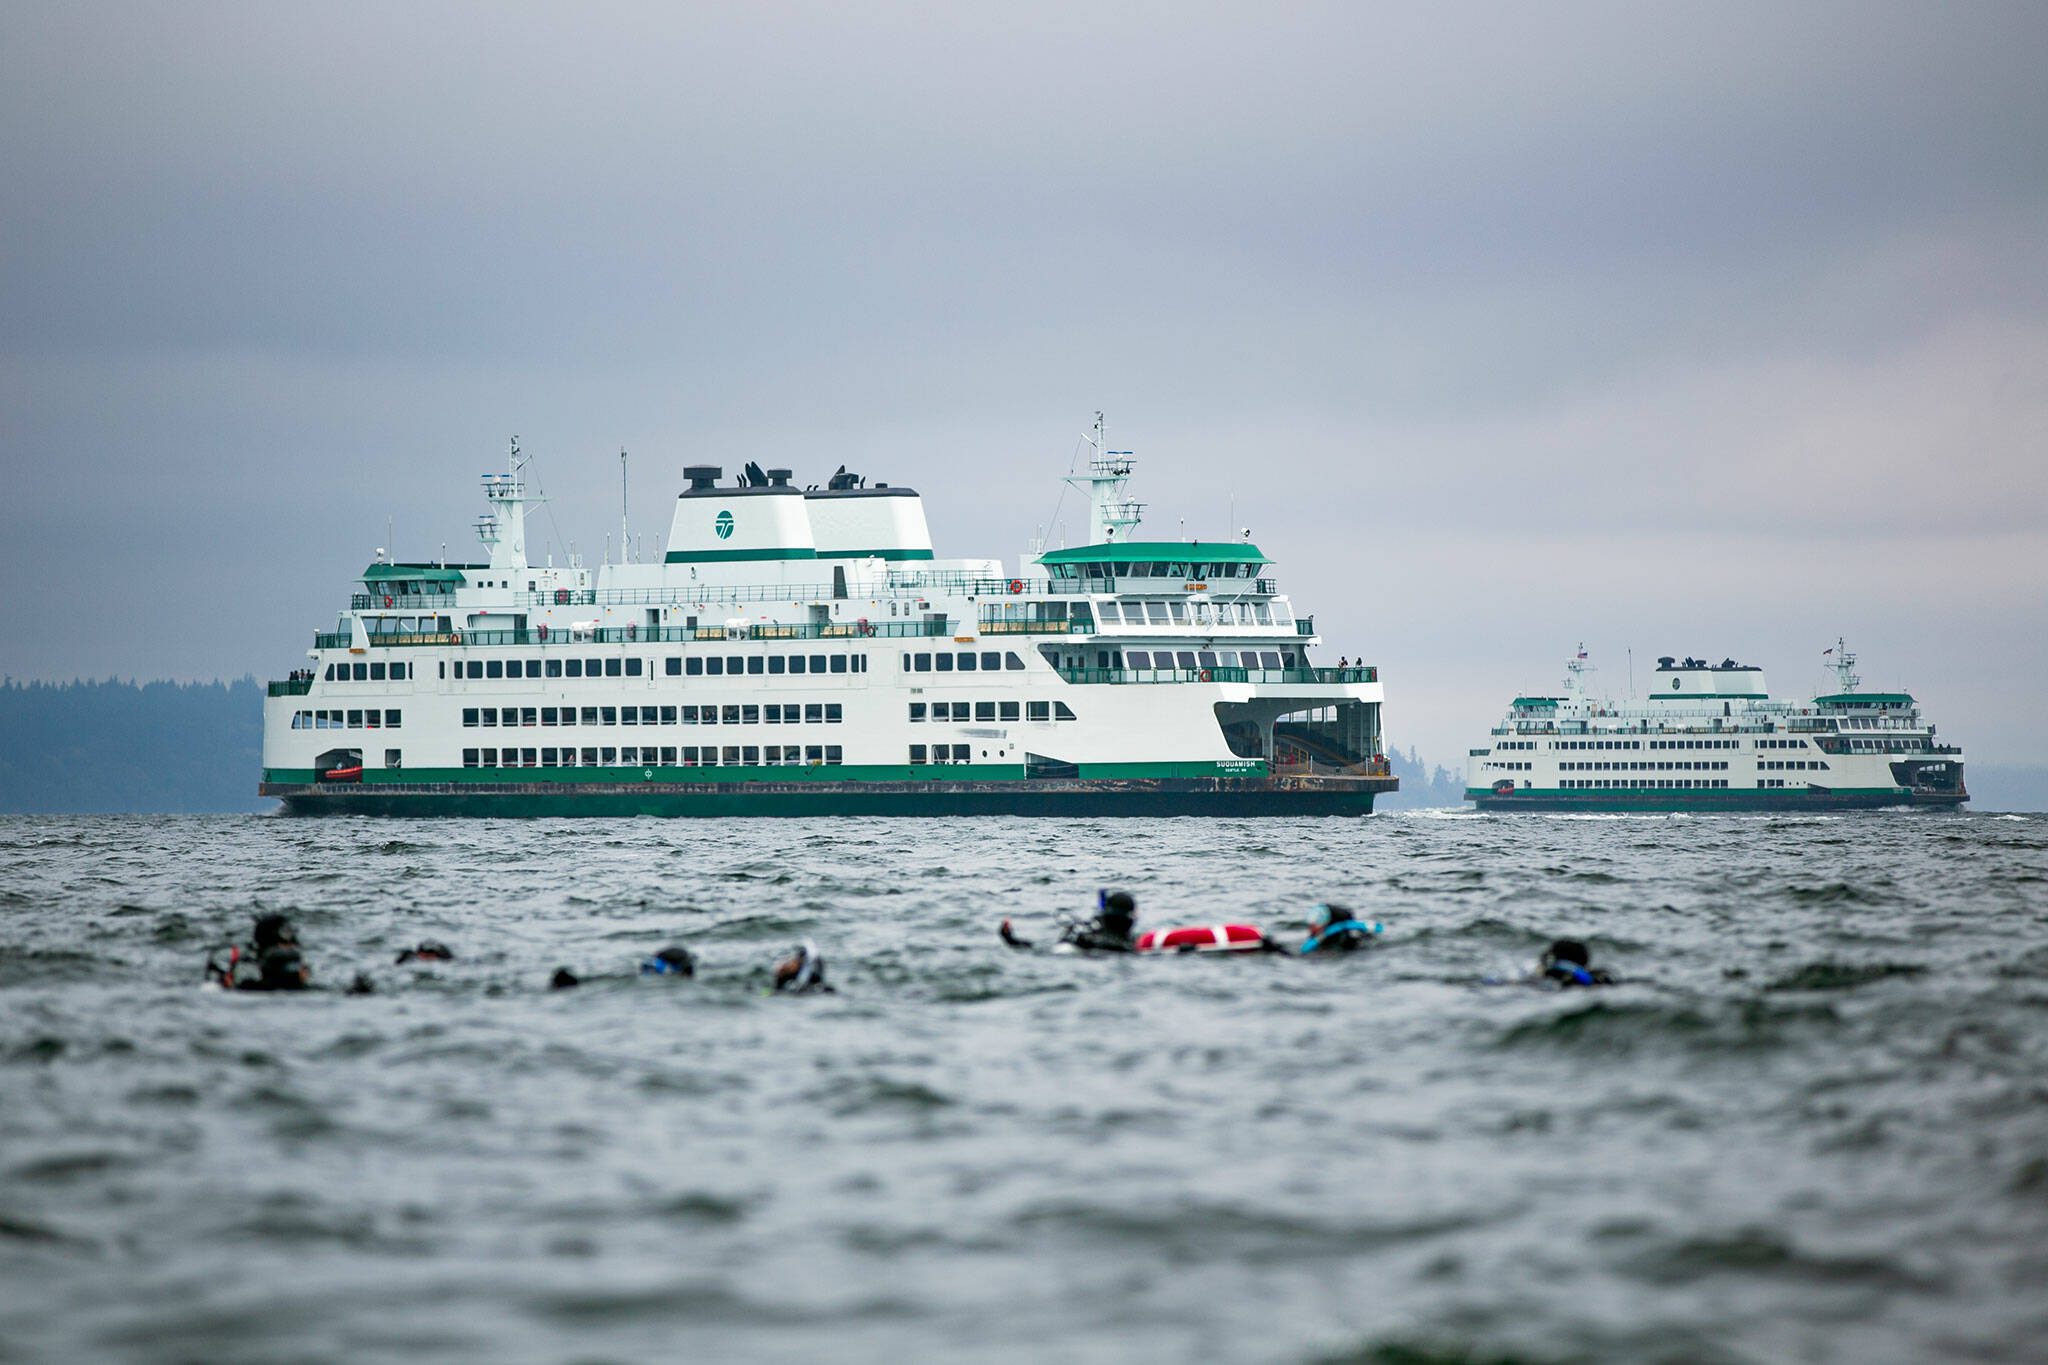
x=1709 y=737
x=802 y=651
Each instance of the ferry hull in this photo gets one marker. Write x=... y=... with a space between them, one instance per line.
x=1210 y=797
x=1711 y=801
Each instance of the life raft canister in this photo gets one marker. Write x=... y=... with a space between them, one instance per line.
x=1203 y=938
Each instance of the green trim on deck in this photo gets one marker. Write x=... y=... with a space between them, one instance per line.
x=1544 y=703
x=1160 y=551
x=736 y=556
x=1865 y=699
x=897 y=555
x=426 y=573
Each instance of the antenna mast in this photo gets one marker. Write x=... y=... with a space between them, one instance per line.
x=624 y=543
x=1110 y=512
x=1844 y=666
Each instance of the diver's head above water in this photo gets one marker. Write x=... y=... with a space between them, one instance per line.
x=273 y=930
x=1116 y=911
x=1567 y=963
x=674 y=960
x=803 y=970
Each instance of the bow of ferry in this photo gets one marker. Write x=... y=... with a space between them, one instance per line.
x=802 y=651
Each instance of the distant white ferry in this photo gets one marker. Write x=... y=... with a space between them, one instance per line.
x=802 y=651
x=1708 y=737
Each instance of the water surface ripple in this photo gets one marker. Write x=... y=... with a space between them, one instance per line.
x=1811 y=1125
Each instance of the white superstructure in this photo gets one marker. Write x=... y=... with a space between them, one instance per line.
x=810 y=637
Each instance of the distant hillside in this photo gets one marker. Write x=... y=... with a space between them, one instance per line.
x=1421 y=785
x=92 y=747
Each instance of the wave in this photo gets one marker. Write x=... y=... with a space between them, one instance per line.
x=1841 y=976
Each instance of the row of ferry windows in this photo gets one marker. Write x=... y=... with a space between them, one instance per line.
x=695 y=666
x=962 y=661
x=372 y=719
x=941 y=753
x=771 y=713
x=1607 y=783
x=1197 y=569
x=399 y=672
x=1206 y=658
x=1614 y=744
x=1200 y=613
x=1710 y=765
x=989 y=710
x=664 y=756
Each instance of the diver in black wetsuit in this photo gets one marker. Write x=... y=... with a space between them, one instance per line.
x=428 y=950
x=1112 y=929
x=269 y=962
x=1565 y=965
x=802 y=972
x=1334 y=929
x=674 y=960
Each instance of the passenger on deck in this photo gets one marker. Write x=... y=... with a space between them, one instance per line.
x=674 y=960
x=802 y=972
x=1565 y=964
x=1333 y=929
x=1110 y=931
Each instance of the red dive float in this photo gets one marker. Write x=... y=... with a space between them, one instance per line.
x=1203 y=938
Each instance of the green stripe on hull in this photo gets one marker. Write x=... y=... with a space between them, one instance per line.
x=1214 y=798
x=1664 y=802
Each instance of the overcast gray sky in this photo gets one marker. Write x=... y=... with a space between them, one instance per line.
x=1718 y=329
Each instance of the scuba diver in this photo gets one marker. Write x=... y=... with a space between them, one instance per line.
x=1110 y=931
x=802 y=972
x=1334 y=929
x=563 y=980
x=428 y=950
x=270 y=962
x=1565 y=964
x=674 y=960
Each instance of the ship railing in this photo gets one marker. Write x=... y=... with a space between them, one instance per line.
x=854 y=587
x=547 y=636
x=1118 y=676
x=1304 y=625
x=289 y=687
x=1034 y=625
x=415 y=602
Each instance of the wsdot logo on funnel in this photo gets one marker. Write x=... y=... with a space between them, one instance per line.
x=722 y=524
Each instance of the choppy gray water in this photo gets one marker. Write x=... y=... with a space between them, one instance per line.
x=1813 y=1125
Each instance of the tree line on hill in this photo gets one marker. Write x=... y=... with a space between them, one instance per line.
x=105 y=747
